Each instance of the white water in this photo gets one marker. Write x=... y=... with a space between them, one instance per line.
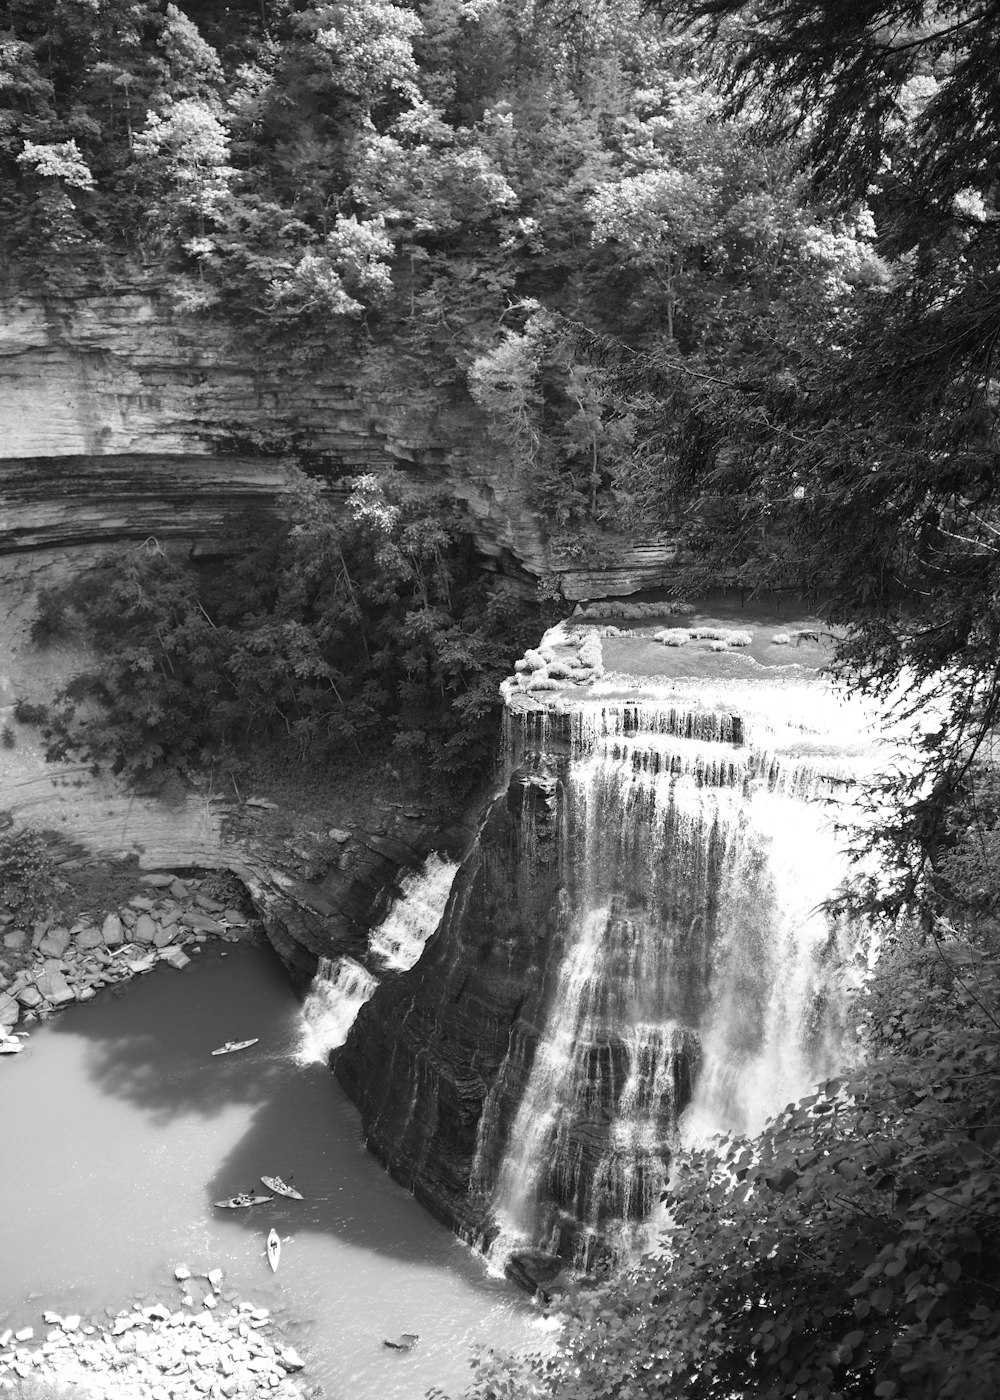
x=342 y=985
x=399 y=939
x=699 y=986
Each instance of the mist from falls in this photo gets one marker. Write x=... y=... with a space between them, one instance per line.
x=342 y=985
x=697 y=986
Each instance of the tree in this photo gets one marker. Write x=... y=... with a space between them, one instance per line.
x=854 y=455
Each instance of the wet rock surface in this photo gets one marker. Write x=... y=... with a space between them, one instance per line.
x=426 y=1052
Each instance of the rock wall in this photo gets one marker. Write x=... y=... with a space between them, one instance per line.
x=122 y=418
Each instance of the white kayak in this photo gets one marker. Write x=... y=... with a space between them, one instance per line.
x=273 y=1249
x=232 y=1045
x=282 y=1188
x=240 y=1201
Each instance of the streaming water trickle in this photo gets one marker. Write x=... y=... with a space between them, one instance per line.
x=342 y=985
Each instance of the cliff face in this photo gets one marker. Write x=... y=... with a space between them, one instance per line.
x=427 y=1050
x=636 y=946
x=121 y=418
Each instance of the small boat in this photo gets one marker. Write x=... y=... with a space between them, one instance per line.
x=406 y=1341
x=243 y=1198
x=273 y=1249
x=232 y=1045
x=282 y=1188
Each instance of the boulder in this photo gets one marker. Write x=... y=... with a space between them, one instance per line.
x=88 y=938
x=140 y=902
x=201 y=922
x=9 y=1011
x=531 y=1269
x=145 y=929
x=15 y=939
x=179 y=890
x=30 y=997
x=111 y=931
x=54 y=942
x=204 y=901
x=338 y=834
x=54 y=987
x=157 y=879
x=234 y=918
x=174 y=956
x=163 y=934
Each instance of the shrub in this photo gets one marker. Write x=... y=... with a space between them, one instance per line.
x=28 y=883
x=27 y=713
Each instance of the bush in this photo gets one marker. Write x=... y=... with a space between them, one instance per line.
x=28 y=883
x=27 y=713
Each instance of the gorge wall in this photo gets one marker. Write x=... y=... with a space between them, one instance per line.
x=633 y=952
x=123 y=417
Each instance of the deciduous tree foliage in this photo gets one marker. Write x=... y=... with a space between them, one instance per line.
x=373 y=630
x=855 y=455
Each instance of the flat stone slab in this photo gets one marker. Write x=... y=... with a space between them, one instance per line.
x=54 y=987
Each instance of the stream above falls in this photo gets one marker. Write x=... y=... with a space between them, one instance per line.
x=120 y=1130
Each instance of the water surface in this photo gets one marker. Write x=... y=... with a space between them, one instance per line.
x=121 y=1129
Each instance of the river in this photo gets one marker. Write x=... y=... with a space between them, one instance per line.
x=120 y=1130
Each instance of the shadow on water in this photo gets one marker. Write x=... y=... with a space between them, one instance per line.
x=150 y=1045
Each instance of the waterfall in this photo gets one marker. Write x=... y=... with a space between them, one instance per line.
x=694 y=983
x=342 y=985
x=339 y=989
x=399 y=939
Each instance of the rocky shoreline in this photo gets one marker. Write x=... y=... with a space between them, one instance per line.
x=53 y=964
x=209 y=1345
x=184 y=1350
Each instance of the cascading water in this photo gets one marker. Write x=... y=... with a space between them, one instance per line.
x=342 y=985
x=694 y=987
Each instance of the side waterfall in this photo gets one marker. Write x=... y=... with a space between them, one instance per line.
x=695 y=983
x=342 y=985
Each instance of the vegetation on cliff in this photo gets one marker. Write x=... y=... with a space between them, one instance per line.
x=374 y=630
x=463 y=186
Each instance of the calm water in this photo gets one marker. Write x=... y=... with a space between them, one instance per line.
x=120 y=1129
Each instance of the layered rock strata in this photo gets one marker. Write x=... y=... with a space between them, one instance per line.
x=122 y=418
